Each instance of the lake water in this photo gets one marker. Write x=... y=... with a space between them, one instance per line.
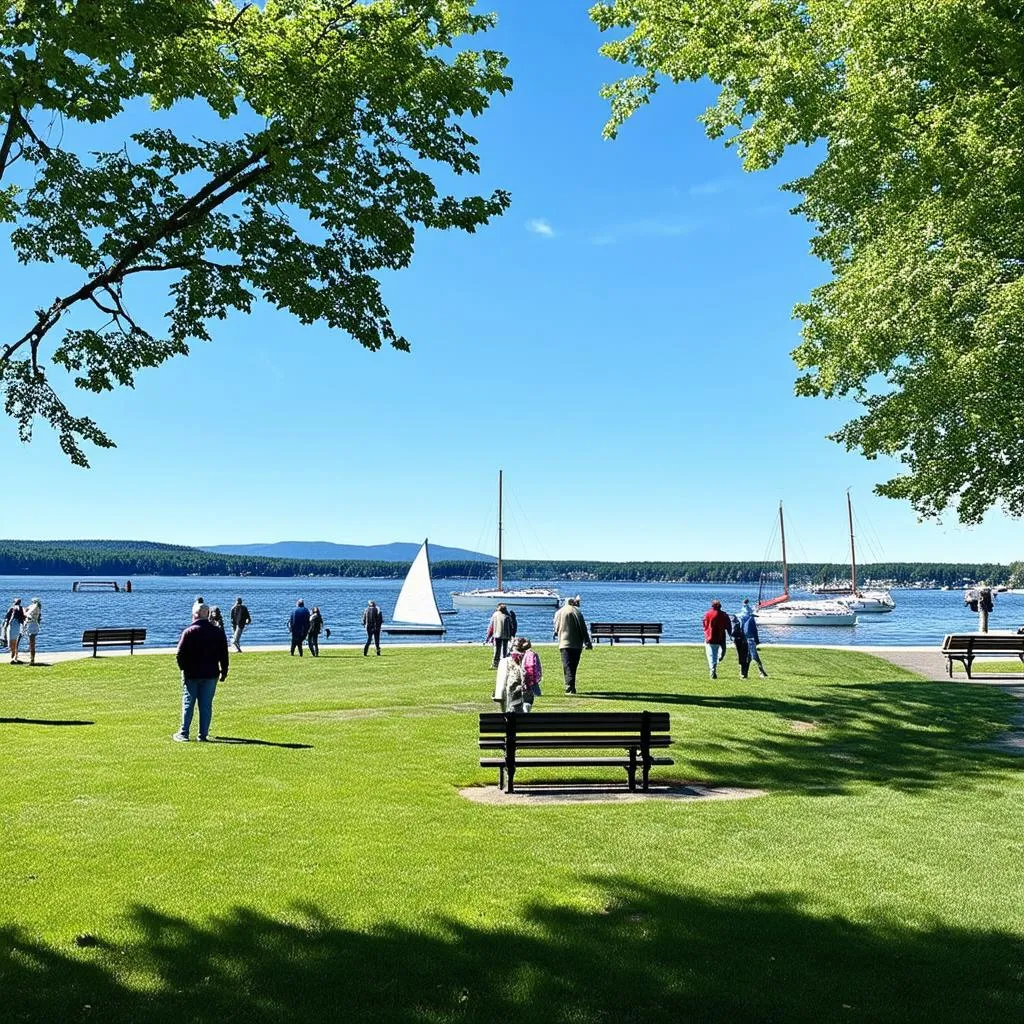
x=163 y=606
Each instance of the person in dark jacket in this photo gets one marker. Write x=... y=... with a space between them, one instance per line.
x=298 y=623
x=749 y=624
x=499 y=632
x=240 y=618
x=316 y=623
x=373 y=619
x=203 y=660
x=514 y=622
x=742 y=651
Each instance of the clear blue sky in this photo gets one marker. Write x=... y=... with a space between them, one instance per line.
x=618 y=343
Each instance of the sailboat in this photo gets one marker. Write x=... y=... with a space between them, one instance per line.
x=416 y=611
x=784 y=611
x=870 y=601
x=532 y=597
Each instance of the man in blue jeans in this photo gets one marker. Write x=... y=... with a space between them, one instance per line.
x=203 y=660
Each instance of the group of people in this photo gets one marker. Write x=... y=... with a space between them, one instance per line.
x=22 y=623
x=569 y=628
x=719 y=626
x=240 y=618
x=306 y=626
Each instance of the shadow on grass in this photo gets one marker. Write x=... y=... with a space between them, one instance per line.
x=261 y=743
x=906 y=735
x=43 y=721
x=647 y=955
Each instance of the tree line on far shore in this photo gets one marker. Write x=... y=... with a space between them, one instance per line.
x=142 y=558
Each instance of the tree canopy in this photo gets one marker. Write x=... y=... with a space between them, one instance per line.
x=336 y=117
x=918 y=204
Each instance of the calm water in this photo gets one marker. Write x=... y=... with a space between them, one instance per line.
x=163 y=605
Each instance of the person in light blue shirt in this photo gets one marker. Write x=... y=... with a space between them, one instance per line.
x=749 y=625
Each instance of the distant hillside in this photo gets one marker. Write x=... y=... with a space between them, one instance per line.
x=322 y=550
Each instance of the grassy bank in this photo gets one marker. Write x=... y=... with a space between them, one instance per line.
x=323 y=865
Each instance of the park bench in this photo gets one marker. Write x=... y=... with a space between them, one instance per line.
x=617 y=631
x=965 y=647
x=96 y=638
x=636 y=733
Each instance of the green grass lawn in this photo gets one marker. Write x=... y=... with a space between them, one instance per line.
x=332 y=871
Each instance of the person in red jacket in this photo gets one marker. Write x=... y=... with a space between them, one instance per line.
x=716 y=629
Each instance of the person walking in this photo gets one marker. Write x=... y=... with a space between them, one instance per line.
x=203 y=659
x=749 y=623
x=532 y=672
x=570 y=629
x=740 y=642
x=30 y=627
x=499 y=632
x=716 y=629
x=240 y=618
x=373 y=619
x=298 y=623
x=316 y=623
x=13 y=620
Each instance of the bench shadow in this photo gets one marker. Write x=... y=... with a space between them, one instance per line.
x=641 y=953
x=905 y=735
x=44 y=721
x=260 y=743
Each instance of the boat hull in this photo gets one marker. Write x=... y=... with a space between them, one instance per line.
x=805 y=615
x=535 y=598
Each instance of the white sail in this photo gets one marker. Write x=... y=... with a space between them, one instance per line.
x=416 y=601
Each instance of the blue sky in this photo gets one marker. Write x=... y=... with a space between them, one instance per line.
x=618 y=343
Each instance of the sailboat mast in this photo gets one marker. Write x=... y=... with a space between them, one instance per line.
x=785 y=564
x=853 y=550
x=499 y=530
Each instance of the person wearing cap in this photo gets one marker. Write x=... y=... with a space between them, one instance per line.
x=240 y=618
x=12 y=627
x=203 y=659
x=373 y=619
x=748 y=623
x=570 y=629
x=298 y=623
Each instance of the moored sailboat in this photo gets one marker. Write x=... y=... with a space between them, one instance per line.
x=870 y=601
x=782 y=610
x=536 y=597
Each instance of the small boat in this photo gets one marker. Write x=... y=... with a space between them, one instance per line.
x=525 y=597
x=784 y=611
x=416 y=611
x=872 y=602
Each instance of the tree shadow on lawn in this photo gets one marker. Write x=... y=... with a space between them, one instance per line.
x=647 y=955
x=44 y=721
x=906 y=735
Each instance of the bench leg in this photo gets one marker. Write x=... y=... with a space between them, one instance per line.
x=501 y=778
x=949 y=665
x=511 y=776
x=95 y=644
x=631 y=769
x=968 y=662
x=647 y=772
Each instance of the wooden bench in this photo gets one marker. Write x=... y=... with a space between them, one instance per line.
x=635 y=732
x=96 y=638
x=618 y=631
x=965 y=647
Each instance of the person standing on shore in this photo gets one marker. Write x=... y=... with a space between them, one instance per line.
x=298 y=623
x=716 y=629
x=240 y=618
x=499 y=632
x=749 y=624
x=197 y=604
x=316 y=623
x=12 y=624
x=216 y=617
x=570 y=629
x=31 y=627
x=203 y=659
x=373 y=619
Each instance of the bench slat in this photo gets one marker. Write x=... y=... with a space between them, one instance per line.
x=576 y=743
x=579 y=721
x=569 y=762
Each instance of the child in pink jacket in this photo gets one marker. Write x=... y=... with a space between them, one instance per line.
x=531 y=671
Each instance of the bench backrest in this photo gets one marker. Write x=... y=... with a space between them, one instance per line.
x=986 y=643
x=629 y=627
x=612 y=722
x=113 y=636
